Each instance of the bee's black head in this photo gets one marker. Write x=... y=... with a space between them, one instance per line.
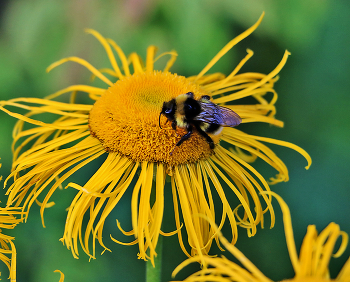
x=168 y=110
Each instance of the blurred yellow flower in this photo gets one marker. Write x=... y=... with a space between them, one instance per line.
x=312 y=264
x=121 y=122
x=61 y=275
x=8 y=220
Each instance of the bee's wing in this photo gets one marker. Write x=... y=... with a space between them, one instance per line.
x=212 y=113
x=229 y=117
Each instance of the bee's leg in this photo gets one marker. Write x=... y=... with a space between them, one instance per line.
x=186 y=136
x=183 y=138
x=206 y=136
x=174 y=126
x=206 y=97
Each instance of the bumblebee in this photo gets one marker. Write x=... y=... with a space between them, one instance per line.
x=205 y=116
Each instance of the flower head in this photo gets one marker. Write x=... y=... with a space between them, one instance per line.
x=312 y=264
x=122 y=123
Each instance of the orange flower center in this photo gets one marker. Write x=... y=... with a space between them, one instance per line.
x=125 y=120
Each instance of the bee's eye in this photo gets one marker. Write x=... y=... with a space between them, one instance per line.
x=169 y=107
x=190 y=94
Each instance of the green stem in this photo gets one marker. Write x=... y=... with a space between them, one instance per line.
x=154 y=274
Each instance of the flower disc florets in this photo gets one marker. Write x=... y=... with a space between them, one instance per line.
x=126 y=119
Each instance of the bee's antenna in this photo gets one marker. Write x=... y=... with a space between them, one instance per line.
x=159 y=120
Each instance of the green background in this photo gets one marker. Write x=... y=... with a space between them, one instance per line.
x=313 y=102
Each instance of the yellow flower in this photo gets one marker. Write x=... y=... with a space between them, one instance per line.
x=61 y=275
x=7 y=247
x=121 y=123
x=312 y=264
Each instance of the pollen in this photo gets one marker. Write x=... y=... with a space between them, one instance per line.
x=126 y=120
